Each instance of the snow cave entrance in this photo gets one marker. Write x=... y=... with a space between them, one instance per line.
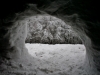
x=54 y=45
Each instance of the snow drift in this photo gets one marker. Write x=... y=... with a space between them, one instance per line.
x=85 y=22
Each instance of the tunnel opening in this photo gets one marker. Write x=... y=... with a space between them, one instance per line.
x=14 y=53
x=18 y=59
x=51 y=55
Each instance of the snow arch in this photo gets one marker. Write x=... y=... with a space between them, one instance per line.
x=13 y=33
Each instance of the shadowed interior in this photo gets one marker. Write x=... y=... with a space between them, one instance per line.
x=82 y=15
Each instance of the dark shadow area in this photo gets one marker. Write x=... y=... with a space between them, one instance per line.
x=82 y=15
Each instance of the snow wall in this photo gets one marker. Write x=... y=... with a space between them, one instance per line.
x=13 y=28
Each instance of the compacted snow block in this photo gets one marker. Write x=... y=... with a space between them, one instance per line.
x=85 y=21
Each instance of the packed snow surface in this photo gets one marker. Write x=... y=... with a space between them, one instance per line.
x=58 y=59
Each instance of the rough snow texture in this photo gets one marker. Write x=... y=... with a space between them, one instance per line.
x=92 y=53
x=47 y=59
x=58 y=59
x=13 y=31
x=86 y=22
x=16 y=53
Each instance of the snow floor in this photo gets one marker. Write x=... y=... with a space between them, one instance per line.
x=58 y=59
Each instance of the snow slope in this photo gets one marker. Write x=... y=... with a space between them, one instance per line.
x=59 y=59
x=45 y=59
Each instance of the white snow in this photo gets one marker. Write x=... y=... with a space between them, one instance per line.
x=59 y=59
